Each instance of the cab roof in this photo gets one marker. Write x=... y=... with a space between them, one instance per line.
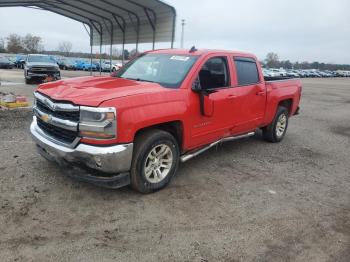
x=200 y=52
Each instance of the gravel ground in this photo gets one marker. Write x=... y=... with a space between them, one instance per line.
x=246 y=200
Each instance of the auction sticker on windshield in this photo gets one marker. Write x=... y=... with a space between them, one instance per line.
x=180 y=58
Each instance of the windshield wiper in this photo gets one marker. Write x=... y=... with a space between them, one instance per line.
x=141 y=80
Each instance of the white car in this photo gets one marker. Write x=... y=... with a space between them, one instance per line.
x=279 y=72
x=116 y=67
x=292 y=73
x=270 y=73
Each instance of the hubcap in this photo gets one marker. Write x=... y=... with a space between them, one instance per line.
x=158 y=163
x=281 y=125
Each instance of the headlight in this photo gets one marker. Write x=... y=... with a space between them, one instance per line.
x=98 y=123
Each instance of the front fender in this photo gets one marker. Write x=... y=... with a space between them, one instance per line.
x=134 y=119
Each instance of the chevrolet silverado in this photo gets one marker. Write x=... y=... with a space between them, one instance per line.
x=162 y=108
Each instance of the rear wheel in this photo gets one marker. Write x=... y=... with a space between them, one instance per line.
x=155 y=161
x=28 y=81
x=276 y=131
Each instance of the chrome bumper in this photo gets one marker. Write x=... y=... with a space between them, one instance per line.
x=57 y=75
x=113 y=159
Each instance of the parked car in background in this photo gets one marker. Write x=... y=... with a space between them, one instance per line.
x=301 y=73
x=106 y=66
x=116 y=67
x=41 y=67
x=292 y=73
x=20 y=61
x=279 y=72
x=79 y=64
x=5 y=63
x=269 y=73
x=87 y=66
x=66 y=64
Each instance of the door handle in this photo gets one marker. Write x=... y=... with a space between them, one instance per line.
x=261 y=93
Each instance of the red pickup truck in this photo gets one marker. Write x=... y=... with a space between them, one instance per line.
x=162 y=108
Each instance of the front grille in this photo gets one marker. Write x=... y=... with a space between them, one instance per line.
x=72 y=116
x=58 y=133
x=44 y=69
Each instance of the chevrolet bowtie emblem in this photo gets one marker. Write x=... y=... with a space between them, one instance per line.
x=45 y=118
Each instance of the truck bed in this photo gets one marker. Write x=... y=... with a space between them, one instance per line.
x=278 y=78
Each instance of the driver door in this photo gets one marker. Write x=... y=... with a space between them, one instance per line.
x=214 y=79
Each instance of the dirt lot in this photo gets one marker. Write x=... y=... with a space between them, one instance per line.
x=243 y=201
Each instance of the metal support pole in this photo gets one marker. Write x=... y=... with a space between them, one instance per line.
x=123 y=51
x=101 y=41
x=91 y=44
x=153 y=25
x=111 y=51
x=174 y=29
x=122 y=27
x=183 y=33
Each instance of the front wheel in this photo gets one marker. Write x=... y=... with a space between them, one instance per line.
x=276 y=131
x=155 y=161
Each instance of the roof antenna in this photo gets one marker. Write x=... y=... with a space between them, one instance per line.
x=193 y=49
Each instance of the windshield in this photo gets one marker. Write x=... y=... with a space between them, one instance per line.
x=39 y=59
x=165 y=69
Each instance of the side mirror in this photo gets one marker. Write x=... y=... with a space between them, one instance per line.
x=196 y=86
x=206 y=104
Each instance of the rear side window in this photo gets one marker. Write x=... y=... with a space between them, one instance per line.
x=247 y=71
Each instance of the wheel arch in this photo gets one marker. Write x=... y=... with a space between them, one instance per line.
x=287 y=103
x=175 y=128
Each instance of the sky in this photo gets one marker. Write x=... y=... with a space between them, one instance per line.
x=297 y=30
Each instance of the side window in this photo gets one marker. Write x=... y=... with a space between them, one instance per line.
x=247 y=71
x=215 y=73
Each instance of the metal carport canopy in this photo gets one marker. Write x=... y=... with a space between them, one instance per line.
x=114 y=21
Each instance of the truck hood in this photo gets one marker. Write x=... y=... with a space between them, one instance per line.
x=92 y=91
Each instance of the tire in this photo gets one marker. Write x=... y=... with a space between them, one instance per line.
x=154 y=143
x=28 y=81
x=276 y=131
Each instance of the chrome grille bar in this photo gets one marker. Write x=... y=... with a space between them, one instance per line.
x=56 y=106
x=49 y=119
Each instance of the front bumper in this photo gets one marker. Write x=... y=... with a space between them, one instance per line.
x=103 y=166
x=30 y=74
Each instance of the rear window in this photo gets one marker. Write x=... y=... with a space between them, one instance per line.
x=247 y=71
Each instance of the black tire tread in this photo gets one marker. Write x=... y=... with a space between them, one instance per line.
x=142 y=142
x=269 y=131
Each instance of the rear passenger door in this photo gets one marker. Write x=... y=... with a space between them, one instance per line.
x=250 y=95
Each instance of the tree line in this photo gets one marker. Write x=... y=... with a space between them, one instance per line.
x=272 y=61
x=31 y=44
x=21 y=44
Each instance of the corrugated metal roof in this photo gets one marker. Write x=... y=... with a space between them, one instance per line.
x=114 y=21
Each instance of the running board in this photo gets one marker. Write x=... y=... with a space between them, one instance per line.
x=193 y=154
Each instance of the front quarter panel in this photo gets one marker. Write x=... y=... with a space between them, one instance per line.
x=138 y=112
